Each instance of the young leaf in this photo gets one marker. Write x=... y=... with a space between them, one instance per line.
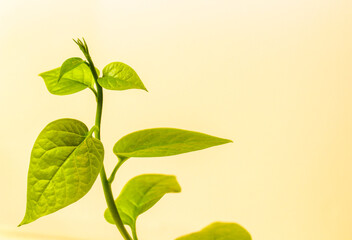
x=69 y=65
x=65 y=162
x=140 y=194
x=219 y=231
x=120 y=76
x=71 y=81
x=160 y=142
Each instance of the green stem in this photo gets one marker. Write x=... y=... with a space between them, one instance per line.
x=134 y=232
x=94 y=91
x=106 y=186
x=118 y=165
x=111 y=205
x=92 y=130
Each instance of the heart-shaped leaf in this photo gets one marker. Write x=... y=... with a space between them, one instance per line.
x=219 y=231
x=140 y=194
x=65 y=162
x=160 y=142
x=69 y=80
x=120 y=76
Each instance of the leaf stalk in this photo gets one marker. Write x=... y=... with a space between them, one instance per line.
x=118 y=165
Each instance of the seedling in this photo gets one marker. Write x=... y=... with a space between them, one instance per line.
x=67 y=156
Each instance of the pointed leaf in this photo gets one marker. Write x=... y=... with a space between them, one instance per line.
x=69 y=65
x=140 y=194
x=120 y=76
x=75 y=80
x=160 y=142
x=65 y=162
x=219 y=231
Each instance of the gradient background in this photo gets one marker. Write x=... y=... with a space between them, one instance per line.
x=274 y=76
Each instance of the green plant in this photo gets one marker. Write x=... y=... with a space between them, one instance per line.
x=67 y=157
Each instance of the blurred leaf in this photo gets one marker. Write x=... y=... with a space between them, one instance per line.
x=219 y=231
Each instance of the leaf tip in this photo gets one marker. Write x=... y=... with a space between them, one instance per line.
x=224 y=141
x=177 y=188
x=142 y=87
x=23 y=222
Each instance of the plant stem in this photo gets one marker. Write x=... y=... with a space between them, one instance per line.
x=134 y=232
x=118 y=165
x=111 y=205
x=106 y=186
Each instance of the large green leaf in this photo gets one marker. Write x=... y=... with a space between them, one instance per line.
x=159 y=142
x=120 y=76
x=65 y=162
x=219 y=231
x=74 y=78
x=140 y=194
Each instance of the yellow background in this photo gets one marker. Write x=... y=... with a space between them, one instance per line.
x=274 y=76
